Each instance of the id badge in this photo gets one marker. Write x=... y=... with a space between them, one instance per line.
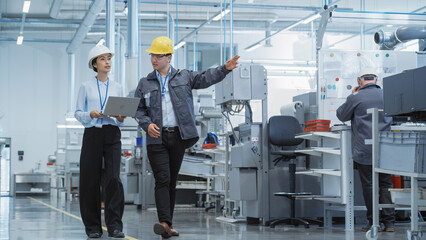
x=99 y=122
x=147 y=97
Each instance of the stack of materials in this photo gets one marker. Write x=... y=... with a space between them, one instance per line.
x=318 y=125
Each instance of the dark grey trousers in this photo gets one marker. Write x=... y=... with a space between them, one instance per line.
x=387 y=215
x=165 y=160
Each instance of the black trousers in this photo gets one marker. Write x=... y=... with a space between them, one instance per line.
x=101 y=143
x=387 y=215
x=165 y=160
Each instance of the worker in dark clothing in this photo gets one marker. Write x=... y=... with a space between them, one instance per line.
x=166 y=113
x=368 y=95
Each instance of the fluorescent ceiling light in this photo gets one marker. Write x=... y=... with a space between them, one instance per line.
x=20 y=40
x=100 y=42
x=311 y=18
x=179 y=45
x=221 y=15
x=26 y=7
x=251 y=48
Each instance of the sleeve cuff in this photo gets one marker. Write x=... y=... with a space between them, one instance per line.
x=224 y=70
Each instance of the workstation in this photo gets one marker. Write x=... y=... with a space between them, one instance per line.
x=263 y=98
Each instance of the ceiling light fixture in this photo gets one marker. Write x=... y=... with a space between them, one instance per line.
x=311 y=18
x=179 y=45
x=20 y=40
x=26 y=7
x=100 y=42
x=252 y=47
x=221 y=15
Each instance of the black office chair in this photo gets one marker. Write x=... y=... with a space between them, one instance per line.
x=282 y=132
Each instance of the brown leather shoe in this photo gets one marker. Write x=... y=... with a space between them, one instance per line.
x=173 y=232
x=162 y=229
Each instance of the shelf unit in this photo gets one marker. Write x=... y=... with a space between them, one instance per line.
x=336 y=173
x=31 y=183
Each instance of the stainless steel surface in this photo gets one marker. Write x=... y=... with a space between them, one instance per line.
x=32 y=177
x=29 y=183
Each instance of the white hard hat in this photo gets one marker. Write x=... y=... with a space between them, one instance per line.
x=96 y=51
x=367 y=71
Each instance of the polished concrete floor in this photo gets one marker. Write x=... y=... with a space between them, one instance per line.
x=36 y=217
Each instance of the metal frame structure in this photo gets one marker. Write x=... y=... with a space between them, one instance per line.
x=344 y=202
x=413 y=233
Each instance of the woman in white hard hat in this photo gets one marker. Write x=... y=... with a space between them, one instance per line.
x=101 y=150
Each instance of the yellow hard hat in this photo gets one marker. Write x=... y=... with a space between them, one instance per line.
x=161 y=45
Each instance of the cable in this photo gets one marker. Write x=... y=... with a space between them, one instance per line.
x=232 y=128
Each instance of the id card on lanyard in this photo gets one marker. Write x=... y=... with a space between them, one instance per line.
x=100 y=120
x=163 y=91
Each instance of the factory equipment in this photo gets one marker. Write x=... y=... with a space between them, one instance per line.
x=403 y=94
x=136 y=174
x=249 y=166
x=67 y=172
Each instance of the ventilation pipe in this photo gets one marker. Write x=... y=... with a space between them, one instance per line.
x=389 y=40
x=85 y=25
x=132 y=61
x=78 y=38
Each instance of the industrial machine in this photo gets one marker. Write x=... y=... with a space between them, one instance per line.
x=248 y=193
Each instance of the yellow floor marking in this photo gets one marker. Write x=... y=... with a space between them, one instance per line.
x=71 y=215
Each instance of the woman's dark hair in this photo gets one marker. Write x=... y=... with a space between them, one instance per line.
x=93 y=62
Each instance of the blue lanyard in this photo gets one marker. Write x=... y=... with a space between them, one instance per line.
x=106 y=94
x=163 y=84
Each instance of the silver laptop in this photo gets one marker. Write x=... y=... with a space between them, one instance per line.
x=124 y=106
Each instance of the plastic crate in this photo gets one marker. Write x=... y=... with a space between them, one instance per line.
x=400 y=194
x=402 y=151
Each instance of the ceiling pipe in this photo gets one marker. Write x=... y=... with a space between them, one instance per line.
x=252 y=6
x=85 y=25
x=133 y=28
x=110 y=24
x=389 y=40
x=123 y=15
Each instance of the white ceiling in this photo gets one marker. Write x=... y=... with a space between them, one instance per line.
x=248 y=15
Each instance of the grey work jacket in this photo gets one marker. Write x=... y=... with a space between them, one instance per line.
x=181 y=84
x=355 y=109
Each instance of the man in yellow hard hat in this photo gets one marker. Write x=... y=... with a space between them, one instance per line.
x=166 y=113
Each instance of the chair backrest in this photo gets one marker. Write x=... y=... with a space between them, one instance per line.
x=282 y=130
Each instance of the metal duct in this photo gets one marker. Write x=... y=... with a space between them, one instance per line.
x=110 y=24
x=85 y=25
x=71 y=81
x=132 y=28
x=55 y=8
x=389 y=40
